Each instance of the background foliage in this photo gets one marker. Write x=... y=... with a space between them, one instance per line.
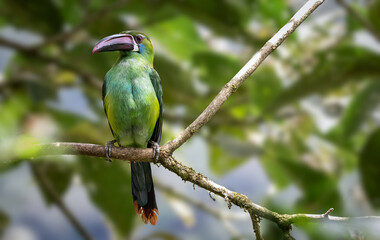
x=301 y=135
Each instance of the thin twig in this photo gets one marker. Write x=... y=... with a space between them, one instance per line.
x=49 y=189
x=299 y=218
x=256 y=226
x=326 y=214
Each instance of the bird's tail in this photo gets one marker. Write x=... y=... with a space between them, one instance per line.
x=144 y=198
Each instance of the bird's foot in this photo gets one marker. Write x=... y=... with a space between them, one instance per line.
x=108 y=148
x=156 y=150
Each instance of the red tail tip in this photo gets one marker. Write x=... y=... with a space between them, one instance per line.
x=148 y=215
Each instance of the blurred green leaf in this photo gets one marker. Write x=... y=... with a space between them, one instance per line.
x=178 y=36
x=347 y=158
x=176 y=81
x=319 y=231
x=374 y=13
x=357 y=112
x=264 y=86
x=107 y=25
x=149 y=12
x=71 y=11
x=229 y=152
x=240 y=112
x=76 y=128
x=212 y=9
x=269 y=11
x=289 y=146
x=58 y=174
x=283 y=163
x=230 y=23
x=352 y=22
x=87 y=132
x=271 y=231
x=64 y=119
x=215 y=69
x=31 y=78
x=39 y=91
x=39 y=15
x=98 y=4
x=271 y=161
x=221 y=162
x=12 y=112
x=80 y=55
x=335 y=67
x=369 y=168
x=109 y=187
x=320 y=190
x=4 y=222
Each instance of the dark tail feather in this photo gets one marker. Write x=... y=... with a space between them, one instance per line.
x=144 y=198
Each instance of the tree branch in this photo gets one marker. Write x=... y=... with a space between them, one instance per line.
x=284 y=221
x=85 y=149
x=256 y=226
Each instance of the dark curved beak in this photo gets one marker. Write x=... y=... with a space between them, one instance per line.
x=116 y=42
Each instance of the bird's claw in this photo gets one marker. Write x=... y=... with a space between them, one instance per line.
x=156 y=150
x=108 y=148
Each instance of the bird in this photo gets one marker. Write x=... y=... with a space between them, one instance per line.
x=132 y=100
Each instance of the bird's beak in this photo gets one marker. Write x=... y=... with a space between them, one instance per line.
x=116 y=42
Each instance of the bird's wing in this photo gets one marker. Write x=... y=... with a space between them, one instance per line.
x=104 y=89
x=156 y=82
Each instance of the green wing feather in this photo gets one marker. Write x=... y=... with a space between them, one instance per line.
x=104 y=89
x=156 y=82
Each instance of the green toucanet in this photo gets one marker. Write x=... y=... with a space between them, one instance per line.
x=132 y=99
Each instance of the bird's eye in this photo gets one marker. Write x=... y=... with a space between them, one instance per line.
x=139 y=38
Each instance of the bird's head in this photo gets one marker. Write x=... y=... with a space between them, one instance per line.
x=127 y=42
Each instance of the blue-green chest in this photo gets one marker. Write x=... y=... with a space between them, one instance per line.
x=131 y=103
